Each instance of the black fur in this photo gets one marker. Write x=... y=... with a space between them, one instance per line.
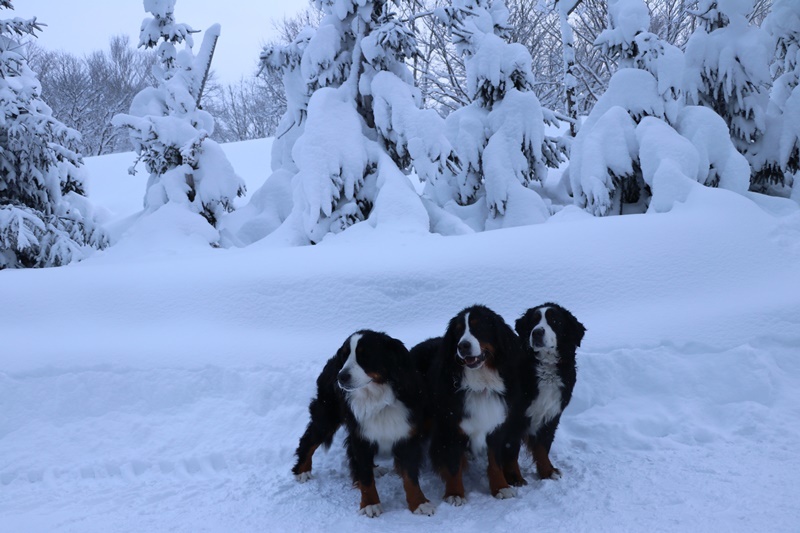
x=444 y=372
x=389 y=362
x=569 y=334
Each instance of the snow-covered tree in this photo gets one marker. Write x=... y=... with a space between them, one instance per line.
x=628 y=41
x=727 y=69
x=169 y=130
x=44 y=219
x=499 y=136
x=640 y=139
x=353 y=125
x=604 y=171
x=782 y=153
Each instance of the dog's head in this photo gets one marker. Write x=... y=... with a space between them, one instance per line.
x=550 y=328
x=478 y=336
x=369 y=357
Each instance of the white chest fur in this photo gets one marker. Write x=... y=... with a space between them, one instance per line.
x=547 y=404
x=484 y=407
x=382 y=418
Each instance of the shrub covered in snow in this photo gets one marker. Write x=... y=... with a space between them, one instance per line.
x=169 y=130
x=604 y=169
x=44 y=219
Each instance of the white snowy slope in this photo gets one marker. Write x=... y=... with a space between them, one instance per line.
x=162 y=385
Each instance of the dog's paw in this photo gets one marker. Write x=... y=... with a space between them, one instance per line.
x=506 y=493
x=427 y=509
x=554 y=474
x=372 y=511
x=456 y=501
x=516 y=480
x=302 y=477
x=380 y=471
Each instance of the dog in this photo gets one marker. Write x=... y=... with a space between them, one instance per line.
x=372 y=388
x=551 y=336
x=470 y=371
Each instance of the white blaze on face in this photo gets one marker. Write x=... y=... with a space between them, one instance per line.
x=470 y=338
x=545 y=333
x=358 y=378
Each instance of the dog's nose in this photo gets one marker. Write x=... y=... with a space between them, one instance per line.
x=344 y=377
x=537 y=337
x=465 y=348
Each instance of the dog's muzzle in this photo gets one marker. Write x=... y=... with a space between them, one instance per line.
x=472 y=361
x=537 y=338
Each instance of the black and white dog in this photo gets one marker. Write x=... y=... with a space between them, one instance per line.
x=474 y=386
x=551 y=336
x=372 y=387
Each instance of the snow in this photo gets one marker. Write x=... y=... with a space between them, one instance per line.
x=165 y=388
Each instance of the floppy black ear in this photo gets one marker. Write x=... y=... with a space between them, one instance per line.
x=402 y=372
x=397 y=354
x=508 y=340
x=450 y=339
x=343 y=352
x=577 y=330
x=523 y=323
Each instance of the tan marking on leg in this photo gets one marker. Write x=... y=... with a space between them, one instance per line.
x=305 y=465
x=497 y=480
x=414 y=495
x=544 y=467
x=453 y=484
x=369 y=495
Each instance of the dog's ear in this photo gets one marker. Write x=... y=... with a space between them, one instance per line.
x=451 y=338
x=508 y=340
x=343 y=352
x=577 y=330
x=397 y=353
x=399 y=367
x=523 y=323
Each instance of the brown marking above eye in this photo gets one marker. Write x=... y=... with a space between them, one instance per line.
x=376 y=377
x=473 y=322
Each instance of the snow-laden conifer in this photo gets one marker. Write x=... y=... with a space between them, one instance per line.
x=169 y=130
x=499 y=136
x=781 y=159
x=353 y=125
x=727 y=69
x=640 y=143
x=44 y=218
x=629 y=41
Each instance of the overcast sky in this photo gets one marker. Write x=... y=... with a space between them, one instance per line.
x=82 y=26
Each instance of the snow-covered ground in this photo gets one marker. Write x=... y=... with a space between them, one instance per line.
x=162 y=385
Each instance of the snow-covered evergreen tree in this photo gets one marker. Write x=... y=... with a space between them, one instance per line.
x=353 y=126
x=628 y=41
x=782 y=159
x=640 y=143
x=727 y=69
x=499 y=136
x=44 y=219
x=169 y=130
